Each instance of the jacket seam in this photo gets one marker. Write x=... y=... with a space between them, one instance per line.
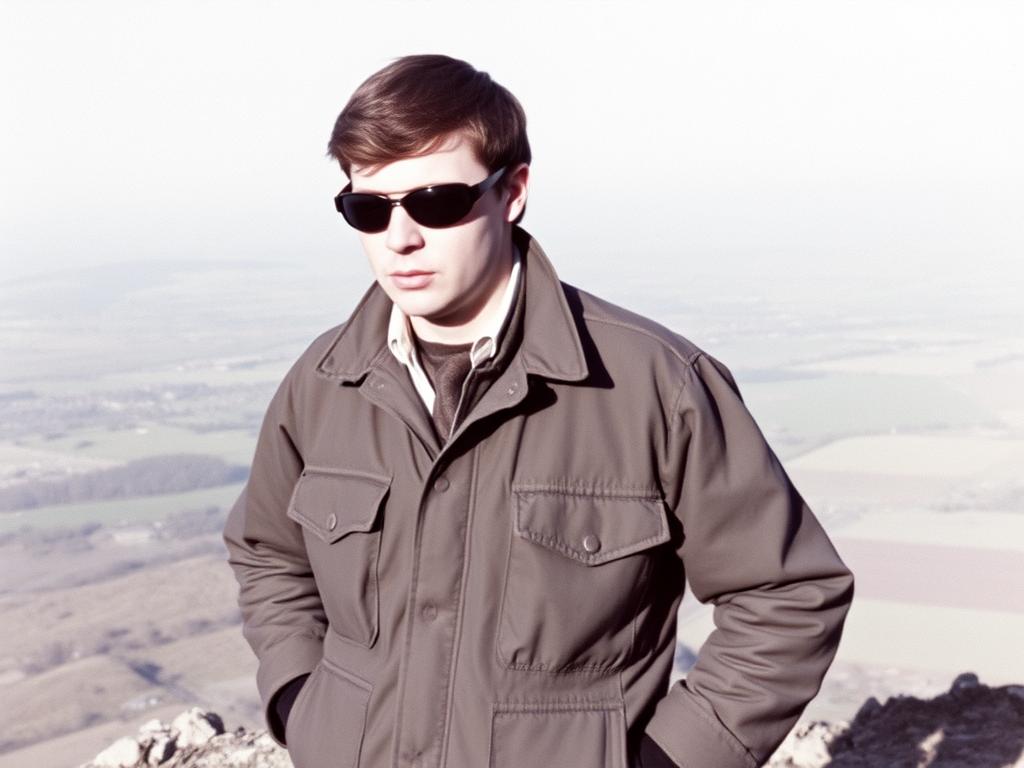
x=568 y=704
x=643 y=493
x=570 y=669
x=347 y=675
x=509 y=536
x=679 y=393
x=310 y=634
x=362 y=474
x=687 y=359
x=641 y=597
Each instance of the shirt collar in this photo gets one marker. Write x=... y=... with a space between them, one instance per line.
x=400 y=331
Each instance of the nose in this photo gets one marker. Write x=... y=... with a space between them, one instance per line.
x=404 y=234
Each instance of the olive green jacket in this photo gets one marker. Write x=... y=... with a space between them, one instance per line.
x=509 y=598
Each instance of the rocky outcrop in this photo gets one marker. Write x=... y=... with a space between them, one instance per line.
x=970 y=726
x=194 y=739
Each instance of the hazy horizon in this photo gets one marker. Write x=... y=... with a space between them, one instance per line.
x=793 y=141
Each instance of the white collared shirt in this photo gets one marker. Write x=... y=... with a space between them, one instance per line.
x=401 y=345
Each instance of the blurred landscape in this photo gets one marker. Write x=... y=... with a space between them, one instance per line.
x=131 y=396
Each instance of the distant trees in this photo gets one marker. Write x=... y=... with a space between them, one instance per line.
x=150 y=476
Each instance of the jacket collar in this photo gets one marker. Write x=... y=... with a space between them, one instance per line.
x=550 y=348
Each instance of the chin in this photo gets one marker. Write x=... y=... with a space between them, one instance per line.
x=425 y=306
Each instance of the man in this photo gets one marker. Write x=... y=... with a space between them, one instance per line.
x=474 y=505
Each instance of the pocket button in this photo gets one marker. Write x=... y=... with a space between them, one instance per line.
x=332 y=521
x=591 y=543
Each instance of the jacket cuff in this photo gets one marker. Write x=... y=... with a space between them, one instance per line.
x=280 y=664
x=692 y=736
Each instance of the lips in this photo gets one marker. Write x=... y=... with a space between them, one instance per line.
x=412 y=279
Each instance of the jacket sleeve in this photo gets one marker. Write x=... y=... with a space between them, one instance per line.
x=282 y=614
x=753 y=548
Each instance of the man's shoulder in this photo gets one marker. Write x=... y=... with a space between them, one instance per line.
x=613 y=323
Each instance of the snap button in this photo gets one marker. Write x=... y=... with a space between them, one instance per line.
x=429 y=611
x=512 y=388
x=591 y=543
x=441 y=484
x=332 y=521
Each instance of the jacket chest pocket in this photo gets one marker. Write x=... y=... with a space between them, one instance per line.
x=577 y=572
x=339 y=511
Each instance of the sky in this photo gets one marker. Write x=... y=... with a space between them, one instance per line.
x=873 y=144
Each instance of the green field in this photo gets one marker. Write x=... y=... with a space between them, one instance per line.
x=235 y=446
x=122 y=511
x=797 y=415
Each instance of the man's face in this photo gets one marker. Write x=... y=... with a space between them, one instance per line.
x=462 y=263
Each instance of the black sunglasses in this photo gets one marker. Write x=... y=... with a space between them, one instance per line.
x=440 y=205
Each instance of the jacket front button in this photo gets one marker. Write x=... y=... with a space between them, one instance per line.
x=591 y=543
x=441 y=484
x=332 y=521
x=428 y=612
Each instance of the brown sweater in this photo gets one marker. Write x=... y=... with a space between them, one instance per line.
x=446 y=366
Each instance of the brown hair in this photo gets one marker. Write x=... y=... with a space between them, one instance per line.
x=411 y=106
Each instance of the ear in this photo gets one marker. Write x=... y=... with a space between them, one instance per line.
x=516 y=184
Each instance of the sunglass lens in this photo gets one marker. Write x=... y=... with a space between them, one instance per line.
x=366 y=213
x=439 y=206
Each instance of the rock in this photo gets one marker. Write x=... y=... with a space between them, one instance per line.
x=970 y=726
x=242 y=757
x=963 y=682
x=123 y=753
x=194 y=739
x=151 y=727
x=195 y=727
x=161 y=748
x=868 y=708
x=807 y=746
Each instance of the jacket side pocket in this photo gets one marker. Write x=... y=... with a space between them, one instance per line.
x=569 y=734
x=327 y=723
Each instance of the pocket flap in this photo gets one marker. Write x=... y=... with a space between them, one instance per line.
x=333 y=502
x=592 y=528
